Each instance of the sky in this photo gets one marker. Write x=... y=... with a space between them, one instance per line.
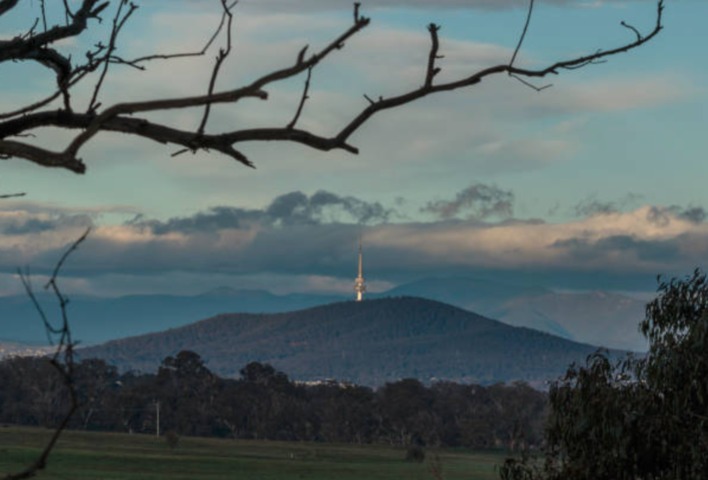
x=597 y=183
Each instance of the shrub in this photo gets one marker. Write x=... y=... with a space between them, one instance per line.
x=415 y=453
x=172 y=439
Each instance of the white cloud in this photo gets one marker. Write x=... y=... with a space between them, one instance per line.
x=619 y=94
x=523 y=154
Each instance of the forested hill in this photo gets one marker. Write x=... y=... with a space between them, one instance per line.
x=368 y=342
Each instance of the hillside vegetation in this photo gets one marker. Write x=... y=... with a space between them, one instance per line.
x=367 y=343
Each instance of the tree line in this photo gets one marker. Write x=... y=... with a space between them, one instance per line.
x=265 y=404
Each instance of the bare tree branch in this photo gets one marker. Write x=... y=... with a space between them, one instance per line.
x=529 y=84
x=303 y=99
x=630 y=27
x=121 y=117
x=7 y=5
x=42 y=7
x=529 y=14
x=18 y=48
x=523 y=33
x=118 y=23
x=168 y=56
x=62 y=360
x=223 y=54
x=31 y=107
x=432 y=70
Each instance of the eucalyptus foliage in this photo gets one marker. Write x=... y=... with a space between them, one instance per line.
x=637 y=418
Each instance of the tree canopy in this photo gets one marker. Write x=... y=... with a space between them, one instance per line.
x=643 y=417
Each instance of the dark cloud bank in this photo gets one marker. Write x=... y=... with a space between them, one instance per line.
x=478 y=201
x=300 y=234
x=290 y=209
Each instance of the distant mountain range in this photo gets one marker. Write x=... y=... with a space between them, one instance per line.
x=97 y=319
x=368 y=342
x=594 y=317
x=10 y=349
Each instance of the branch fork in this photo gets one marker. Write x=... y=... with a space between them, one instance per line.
x=124 y=117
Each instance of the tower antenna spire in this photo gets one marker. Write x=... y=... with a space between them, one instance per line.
x=359 y=284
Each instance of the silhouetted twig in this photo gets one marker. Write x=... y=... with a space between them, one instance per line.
x=124 y=116
x=63 y=358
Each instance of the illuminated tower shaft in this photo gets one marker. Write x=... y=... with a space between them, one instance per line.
x=359 y=285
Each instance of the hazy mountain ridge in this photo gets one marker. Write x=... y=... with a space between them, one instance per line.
x=597 y=317
x=97 y=319
x=592 y=317
x=367 y=342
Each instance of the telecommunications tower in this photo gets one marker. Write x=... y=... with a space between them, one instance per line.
x=359 y=285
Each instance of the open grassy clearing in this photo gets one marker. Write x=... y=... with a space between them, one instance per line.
x=98 y=456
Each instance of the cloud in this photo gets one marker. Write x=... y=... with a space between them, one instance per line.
x=314 y=237
x=693 y=214
x=27 y=225
x=628 y=246
x=217 y=218
x=615 y=94
x=588 y=208
x=21 y=219
x=298 y=208
x=659 y=216
x=591 y=206
x=619 y=243
x=290 y=209
x=309 y=5
x=479 y=200
x=523 y=154
x=662 y=216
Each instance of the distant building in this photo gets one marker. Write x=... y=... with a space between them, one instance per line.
x=359 y=285
x=18 y=350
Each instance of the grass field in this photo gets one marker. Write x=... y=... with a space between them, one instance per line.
x=98 y=456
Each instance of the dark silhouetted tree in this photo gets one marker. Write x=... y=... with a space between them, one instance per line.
x=641 y=418
x=83 y=117
x=187 y=393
